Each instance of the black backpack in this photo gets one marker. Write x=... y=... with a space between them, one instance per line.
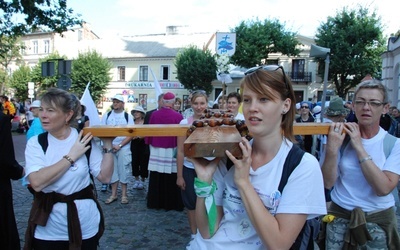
x=309 y=232
x=42 y=138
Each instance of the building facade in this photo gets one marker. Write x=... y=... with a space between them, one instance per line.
x=139 y=61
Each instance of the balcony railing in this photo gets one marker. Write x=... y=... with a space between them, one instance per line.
x=300 y=76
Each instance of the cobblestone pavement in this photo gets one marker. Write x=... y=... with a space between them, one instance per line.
x=128 y=226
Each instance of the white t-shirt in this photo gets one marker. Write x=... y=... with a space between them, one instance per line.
x=71 y=182
x=303 y=194
x=351 y=189
x=116 y=119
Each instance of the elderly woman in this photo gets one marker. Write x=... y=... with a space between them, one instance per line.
x=65 y=213
x=363 y=176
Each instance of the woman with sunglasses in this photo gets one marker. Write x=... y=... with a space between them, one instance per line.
x=363 y=169
x=186 y=173
x=241 y=208
x=65 y=213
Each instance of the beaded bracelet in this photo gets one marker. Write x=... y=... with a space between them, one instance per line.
x=69 y=159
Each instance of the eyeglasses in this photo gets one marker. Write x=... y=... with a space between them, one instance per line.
x=373 y=104
x=268 y=68
x=305 y=107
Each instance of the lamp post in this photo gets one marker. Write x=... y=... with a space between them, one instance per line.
x=323 y=53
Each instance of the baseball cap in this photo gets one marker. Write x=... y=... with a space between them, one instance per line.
x=119 y=98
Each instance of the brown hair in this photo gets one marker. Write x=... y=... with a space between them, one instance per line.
x=276 y=86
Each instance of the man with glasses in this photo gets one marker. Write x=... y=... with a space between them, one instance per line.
x=305 y=116
x=363 y=173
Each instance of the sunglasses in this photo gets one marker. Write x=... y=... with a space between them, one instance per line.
x=268 y=68
x=305 y=107
x=199 y=92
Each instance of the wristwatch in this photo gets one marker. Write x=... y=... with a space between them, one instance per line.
x=120 y=145
x=107 y=150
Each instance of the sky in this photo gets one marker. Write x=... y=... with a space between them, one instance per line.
x=140 y=17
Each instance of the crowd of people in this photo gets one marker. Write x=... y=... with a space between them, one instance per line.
x=235 y=203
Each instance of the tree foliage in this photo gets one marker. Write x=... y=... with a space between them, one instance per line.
x=196 y=68
x=19 y=81
x=9 y=50
x=43 y=83
x=356 y=42
x=90 y=67
x=19 y=17
x=255 y=40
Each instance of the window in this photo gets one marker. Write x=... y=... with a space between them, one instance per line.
x=46 y=46
x=80 y=35
x=164 y=72
x=298 y=69
x=22 y=48
x=35 y=47
x=121 y=73
x=143 y=73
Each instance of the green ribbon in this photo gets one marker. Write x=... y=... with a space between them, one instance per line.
x=205 y=190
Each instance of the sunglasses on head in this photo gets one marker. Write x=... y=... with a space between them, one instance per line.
x=268 y=68
x=199 y=92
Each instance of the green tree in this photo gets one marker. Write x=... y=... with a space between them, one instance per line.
x=256 y=39
x=19 y=81
x=90 y=67
x=9 y=50
x=19 y=17
x=196 y=68
x=356 y=42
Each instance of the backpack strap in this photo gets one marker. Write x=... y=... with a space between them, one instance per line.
x=292 y=161
x=388 y=144
x=42 y=138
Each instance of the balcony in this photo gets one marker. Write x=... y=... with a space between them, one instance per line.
x=300 y=77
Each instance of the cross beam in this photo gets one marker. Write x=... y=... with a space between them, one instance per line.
x=180 y=130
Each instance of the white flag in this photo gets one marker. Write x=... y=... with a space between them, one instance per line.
x=91 y=110
x=157 y=86
x=216 y=100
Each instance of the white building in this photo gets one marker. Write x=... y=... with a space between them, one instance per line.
x=391 y=70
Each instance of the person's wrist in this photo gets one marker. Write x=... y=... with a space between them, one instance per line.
x=120 y=146
x=107 y=150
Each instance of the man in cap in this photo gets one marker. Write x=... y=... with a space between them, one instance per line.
x=163 y=191
x=121 y=149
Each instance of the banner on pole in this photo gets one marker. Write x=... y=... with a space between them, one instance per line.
x=225 y=43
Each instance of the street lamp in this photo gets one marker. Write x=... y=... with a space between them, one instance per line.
x=323 y=53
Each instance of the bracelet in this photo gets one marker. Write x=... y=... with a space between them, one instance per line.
x=365 y=159
x=69 y=159
x=106 y=151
